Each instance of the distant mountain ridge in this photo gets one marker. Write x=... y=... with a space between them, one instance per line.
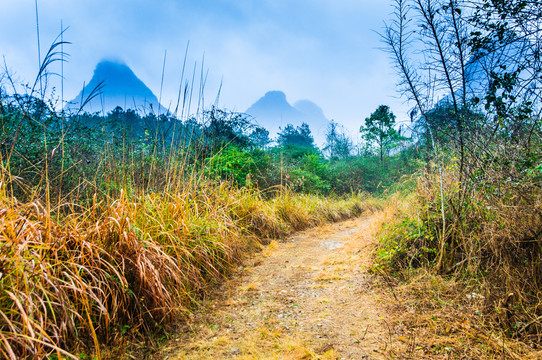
x=273 y=111
x=121 y=87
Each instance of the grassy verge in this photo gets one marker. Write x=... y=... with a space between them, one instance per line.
x=71 y=283
x=484 y=299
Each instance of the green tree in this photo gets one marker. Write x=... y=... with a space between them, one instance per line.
x=338 y=145
x=226 y=128
x=379 y=130
x=300 y=136
x=260 y=138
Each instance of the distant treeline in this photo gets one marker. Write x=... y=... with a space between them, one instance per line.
x=76 y=155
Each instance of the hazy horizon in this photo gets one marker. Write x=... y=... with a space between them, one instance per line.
x=326 y=52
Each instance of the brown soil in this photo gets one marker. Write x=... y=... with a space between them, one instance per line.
x=310 y=297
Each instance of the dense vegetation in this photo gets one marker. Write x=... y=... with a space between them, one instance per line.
x=115 y=150
x=476 y=210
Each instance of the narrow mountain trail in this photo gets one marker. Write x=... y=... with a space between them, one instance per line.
x=309 y=297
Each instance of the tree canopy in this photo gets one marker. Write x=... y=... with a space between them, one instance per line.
x=298 y=136
x=379 y=130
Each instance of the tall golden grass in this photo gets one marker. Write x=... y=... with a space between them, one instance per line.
x=132 y=264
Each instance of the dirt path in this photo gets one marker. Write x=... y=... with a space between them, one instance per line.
x=309 y=297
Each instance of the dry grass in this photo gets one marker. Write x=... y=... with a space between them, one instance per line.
x=311 y=210
x=71 y=283
x=487 y=292
x=440 y=318
x=269 y=341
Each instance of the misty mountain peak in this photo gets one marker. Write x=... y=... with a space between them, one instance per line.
x=113 y=70
x=273 y=111
x=275 y=95
x=273 y=104
x=120 y=87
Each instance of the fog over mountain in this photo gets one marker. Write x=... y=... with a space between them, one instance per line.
x=273 y=111
x=121 y=87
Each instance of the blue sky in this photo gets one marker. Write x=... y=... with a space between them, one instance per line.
x=326 y=51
